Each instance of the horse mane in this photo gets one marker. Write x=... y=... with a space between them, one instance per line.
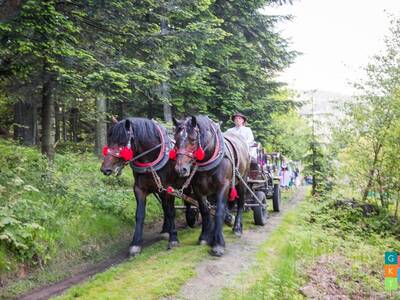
x=204 y=123
x=145 y=132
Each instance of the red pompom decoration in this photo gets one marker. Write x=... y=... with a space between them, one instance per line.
x=170 y=189
x=105 y=150
x=233 y=194
x=126 y=153
x=199 y=154
x=172 y=154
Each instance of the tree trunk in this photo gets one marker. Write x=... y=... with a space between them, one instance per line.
x=25 y=119
x=167 y=112
x=314 y=170
x=48 y=117
x=101 y=125
x=164 y=85
x=57 y=122
x=150 y=108
x=64 y=124
x=371 y=174
x=381 y=189
x=121 y=110
x=74 y=124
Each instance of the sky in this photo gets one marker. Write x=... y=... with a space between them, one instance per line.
x=337 y=38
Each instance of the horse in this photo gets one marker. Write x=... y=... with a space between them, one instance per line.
x=211 y=159
x=144 y=145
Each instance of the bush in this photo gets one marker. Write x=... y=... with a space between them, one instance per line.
x=48 y=209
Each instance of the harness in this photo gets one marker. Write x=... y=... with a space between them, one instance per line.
x=127 y=153
x=221 y=150
x=159 y=162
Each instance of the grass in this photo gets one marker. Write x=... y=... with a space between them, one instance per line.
x=297 y=245
x=153 y=274
x=156 y=273
x=55 y=216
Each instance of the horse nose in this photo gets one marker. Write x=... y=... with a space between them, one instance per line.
x=106 y=172
x=183 y=171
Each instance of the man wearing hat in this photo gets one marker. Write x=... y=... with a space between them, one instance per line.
x=241 y=129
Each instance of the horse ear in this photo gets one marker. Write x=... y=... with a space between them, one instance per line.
x=194 y=121
x=176 y=122
x=114 y=119
x=127 y=125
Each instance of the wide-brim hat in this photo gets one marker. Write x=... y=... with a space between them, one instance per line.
x=238 y=115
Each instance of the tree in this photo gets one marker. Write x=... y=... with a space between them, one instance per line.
x=370 y=154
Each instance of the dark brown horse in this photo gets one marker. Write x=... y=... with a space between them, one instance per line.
x=147 y=141
x=202 y=152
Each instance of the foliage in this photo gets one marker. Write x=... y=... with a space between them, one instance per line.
x=288 y=134
x=47 y=210
x=209 y=57
x=369 y=132
x=297 y=246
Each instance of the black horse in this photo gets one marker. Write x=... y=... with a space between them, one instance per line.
x=202 y=152
x=145 y=145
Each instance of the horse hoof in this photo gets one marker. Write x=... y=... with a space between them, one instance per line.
x=164 y=235
x=229 y=219
x=203 y=242
x=217 y=251
x=134 y=251
x=238 y=233
x=172 y=244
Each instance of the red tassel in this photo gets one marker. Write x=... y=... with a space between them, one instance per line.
x=199 y=154
x=172 y=154
x=105 y=150
x=233 y=194
x=170 y=189
x=126 y=153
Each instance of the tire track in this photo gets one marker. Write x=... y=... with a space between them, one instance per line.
x=217 y=273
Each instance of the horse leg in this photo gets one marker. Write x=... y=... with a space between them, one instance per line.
x=238 y=227
x=205 y=220
x=218 y=242
x=170 y=220
x=166 y=226
x=136 y=244
x=229 y=217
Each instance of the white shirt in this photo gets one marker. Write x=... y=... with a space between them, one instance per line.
x=248 y=136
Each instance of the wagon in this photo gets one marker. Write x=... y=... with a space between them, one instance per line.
x=262 y=186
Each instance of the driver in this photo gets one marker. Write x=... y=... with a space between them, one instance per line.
x=244 y=131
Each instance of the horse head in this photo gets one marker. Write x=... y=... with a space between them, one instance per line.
x=118 y=151
x=191 y=135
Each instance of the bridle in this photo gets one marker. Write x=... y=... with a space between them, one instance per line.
x=127 y=152
x=197 y=154
x=124 y=152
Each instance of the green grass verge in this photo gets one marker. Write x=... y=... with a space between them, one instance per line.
x=297 y=244
x=155 y=273
x=55 y=216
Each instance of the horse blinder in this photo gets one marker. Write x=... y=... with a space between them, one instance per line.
x=126 y=153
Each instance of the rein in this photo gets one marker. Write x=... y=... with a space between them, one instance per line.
x=144 y=153
x=160 y=156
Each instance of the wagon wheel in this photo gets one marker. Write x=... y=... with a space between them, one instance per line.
x=192 y=215
x=260 y=213
x=276 y=198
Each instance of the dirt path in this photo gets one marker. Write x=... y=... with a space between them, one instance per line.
x=150 y=236
x=215 y=274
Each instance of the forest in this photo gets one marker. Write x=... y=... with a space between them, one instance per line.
x=67 y=67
